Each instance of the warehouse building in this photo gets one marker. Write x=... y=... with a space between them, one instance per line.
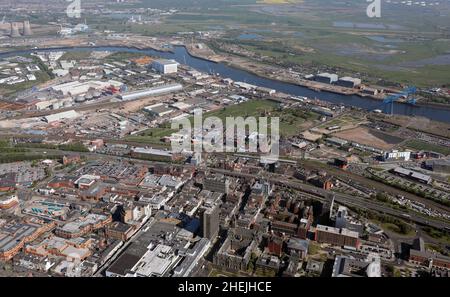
x=152 y=92
x=165 y=66
x=158 y=110
x=77 y=88
x=8 y=201
x=349 y=82
x=327 y=78
x=323 y=111
x=151 y=154
x=66 y=115
x=371 y=91
x=336 y=141
x=438 y=165
x=413 y=175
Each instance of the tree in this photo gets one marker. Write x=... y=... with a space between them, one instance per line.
x=383 y=197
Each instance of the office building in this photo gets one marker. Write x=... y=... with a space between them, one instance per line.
x=341 y=217
x=209 y=220
x=396 y=155
x=216 y=183
x=345 y=266
x=339 y=237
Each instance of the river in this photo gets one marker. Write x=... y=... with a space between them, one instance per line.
x=181 y=55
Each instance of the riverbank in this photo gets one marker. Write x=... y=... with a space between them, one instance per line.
x=260 y=70
x=235 y=72
x=136 y=42
x=206 y=54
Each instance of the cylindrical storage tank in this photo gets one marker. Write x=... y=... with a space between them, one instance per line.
x=80 y=99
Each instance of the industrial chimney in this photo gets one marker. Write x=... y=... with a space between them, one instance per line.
x=15 y=30
x=27 y=28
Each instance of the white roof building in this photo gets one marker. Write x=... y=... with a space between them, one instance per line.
x=70 y=114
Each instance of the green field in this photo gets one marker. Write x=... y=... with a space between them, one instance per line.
x=378 y=50
x=302 y=34
x=8 y=90
x=291 y=120
x=422 y=145
x=151 y=136
x=344 y=120
x=251 y=108
x=440 y=235
x=396 y=229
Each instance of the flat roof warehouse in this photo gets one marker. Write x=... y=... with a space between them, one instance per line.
x=152 y=92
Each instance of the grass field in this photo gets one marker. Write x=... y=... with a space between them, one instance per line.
x=422 y=145
x=151 y=136
x=394 y=228
x=251 y=108
x=438 y=234
x=343 y=121
x=373 y=48
x=333 y=50
x=292 y=121
x=7 y=90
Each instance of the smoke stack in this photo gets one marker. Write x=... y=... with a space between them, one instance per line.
x=27 y=28
x=15 y=30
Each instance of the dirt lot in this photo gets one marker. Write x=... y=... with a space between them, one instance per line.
x=364 y=136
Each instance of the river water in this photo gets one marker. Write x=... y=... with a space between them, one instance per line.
x=181 y=55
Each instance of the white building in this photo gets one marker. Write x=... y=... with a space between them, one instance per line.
x=156 y=91
x=71 y=114
x=155 y=262
x=158 y=109
x=326 y=77
x=165 y=66
x=396 y=155
x=341 y=217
